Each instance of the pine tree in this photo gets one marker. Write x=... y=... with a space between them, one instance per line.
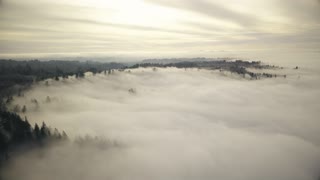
x=48 y=99
x=24 y=109
x=36 y=131
x=28 y=130
x=64 y=135
x=43 y=130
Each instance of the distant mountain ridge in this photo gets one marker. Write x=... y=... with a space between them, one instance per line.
x=179 y=60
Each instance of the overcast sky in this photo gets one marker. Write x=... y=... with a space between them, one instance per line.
x=152 y=28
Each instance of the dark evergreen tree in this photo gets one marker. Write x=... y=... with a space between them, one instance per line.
x=17 y=108
x=28 y=129
x=37 y=131
x=64 y=135
x=43 y=131
x=24 y=109
x=48 y=99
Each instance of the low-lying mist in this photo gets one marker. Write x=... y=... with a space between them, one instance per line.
x=177 y=124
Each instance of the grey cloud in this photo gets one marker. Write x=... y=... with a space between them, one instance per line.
x=132 y=27
x=303 y=12
x=42 y=16
x=44 y=23
x=210 y=9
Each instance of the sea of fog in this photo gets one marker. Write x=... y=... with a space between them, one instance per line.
x=177 y=124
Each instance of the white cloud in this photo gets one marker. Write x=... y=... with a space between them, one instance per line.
x=179 y=125
x=155 y=27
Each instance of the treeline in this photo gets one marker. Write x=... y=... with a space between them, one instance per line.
x=238 y=66
x=16 y=133
x=23 y=73
x=15 y=76
x=101 y=143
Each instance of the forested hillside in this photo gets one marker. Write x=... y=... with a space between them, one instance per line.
x=23 y=73
x=15 y=76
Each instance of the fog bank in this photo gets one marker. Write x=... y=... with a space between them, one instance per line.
x=178 y=124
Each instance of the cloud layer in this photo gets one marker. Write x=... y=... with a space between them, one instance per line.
x=138 y=28
x=178 y=125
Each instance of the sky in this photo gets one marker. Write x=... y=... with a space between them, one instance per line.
x=157 y=28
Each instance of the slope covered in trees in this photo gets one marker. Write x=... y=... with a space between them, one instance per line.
x=234 y=66
x=23 y=73
x=16 y=133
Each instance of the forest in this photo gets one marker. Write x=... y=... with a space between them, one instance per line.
x=20 y=74
x=15 y=76
x=240 y=67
